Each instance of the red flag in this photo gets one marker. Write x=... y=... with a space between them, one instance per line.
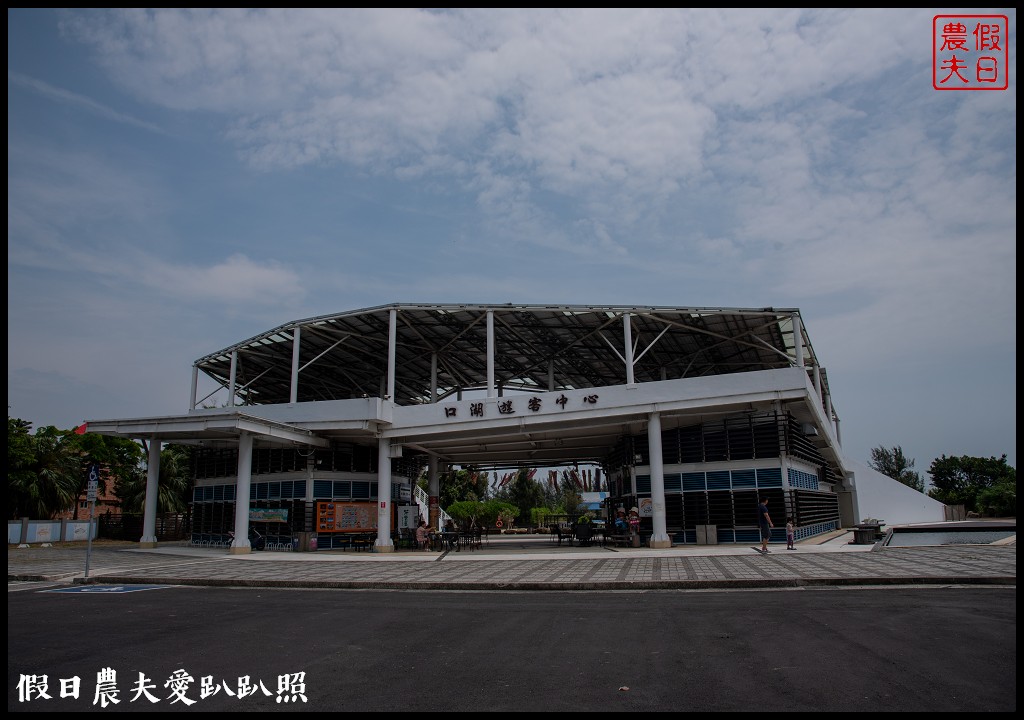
x=80 y=430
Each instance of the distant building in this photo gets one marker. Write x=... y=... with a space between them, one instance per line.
x=691 y=414
x=106 y=502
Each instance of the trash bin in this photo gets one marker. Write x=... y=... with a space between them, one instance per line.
x=707 y=534
x=303 y=542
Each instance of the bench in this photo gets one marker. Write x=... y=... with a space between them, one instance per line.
x=620 y=540
x=363 y=541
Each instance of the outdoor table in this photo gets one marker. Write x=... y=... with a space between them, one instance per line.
x=866 y=533
x=447 y=540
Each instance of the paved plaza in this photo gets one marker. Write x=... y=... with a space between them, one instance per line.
x=526 y=563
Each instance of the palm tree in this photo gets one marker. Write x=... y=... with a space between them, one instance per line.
x=52 y=485
x=21 y=456
x=175 y=482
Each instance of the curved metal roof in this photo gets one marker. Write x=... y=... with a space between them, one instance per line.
x=345 y=355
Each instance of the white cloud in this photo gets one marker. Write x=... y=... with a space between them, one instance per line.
x=63 y=96
x=346 y=157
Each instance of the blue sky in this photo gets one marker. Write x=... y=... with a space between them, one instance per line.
x=179 y=180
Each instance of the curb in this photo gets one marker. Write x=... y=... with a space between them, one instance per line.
x=556 y=586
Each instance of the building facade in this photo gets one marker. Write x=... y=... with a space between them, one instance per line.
x=692 y=413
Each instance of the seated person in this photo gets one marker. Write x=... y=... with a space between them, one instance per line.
x=423 y=536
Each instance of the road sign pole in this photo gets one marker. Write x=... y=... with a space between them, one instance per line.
x=88 y=546
x=94 y=481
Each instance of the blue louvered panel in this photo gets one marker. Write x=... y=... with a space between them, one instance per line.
x=769 y=477
x=718 y=480
x=801 y=479
x=643 y=484
x=743 y=479
x=693 y=481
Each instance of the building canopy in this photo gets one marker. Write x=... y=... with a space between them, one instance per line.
x=441 y=350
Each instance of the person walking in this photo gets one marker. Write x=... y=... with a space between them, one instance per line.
x=790 y=534
x=764 y=520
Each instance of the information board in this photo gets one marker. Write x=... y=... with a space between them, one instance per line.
x=407 y=516
x=275 y=515
x=345 y=517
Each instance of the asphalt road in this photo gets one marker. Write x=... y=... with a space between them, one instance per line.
x=838 y=649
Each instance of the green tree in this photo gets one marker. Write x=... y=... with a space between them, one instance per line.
x=460 y=485
x=963 y=480
x=48 y=472
x=50 y=485
x=174 y=478
x=117 y=458
x=21 y=477
x=1000 y=500
x=494 y=510
x=523 y=492
x=896 y=465
x=467 y=513
x=564 y=497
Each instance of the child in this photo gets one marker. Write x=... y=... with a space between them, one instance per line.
x=790 y=534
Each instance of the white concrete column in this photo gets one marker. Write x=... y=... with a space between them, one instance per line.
x=240 y=545
x=839 y=435
x=384 y=543
x=195 y=388
x=309 y=480
x=433 y=492
x=148 y=539
x=490 y=353
x=294 y=395
x=798 y=340
x=231 y=382
x=433 y=377
x=310 y=469
x=828 y=409
x=817 y=383
x=392 y=338
x=659 y=538
x=628 y=332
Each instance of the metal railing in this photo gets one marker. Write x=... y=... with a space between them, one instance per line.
x=423 y=500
